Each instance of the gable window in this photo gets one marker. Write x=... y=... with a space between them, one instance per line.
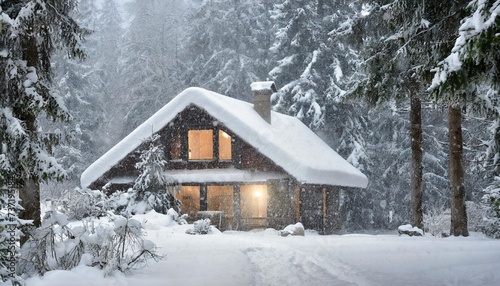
x=200 y=145
x=224 y=146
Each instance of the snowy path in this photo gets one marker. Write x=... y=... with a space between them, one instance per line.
x=263 y=258
x=273 y=266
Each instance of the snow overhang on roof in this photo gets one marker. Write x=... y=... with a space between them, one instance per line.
x=286 y=141
x=221 y=176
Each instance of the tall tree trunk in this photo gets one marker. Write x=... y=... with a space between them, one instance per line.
x=29 y=191
x=416 y=162
x=30 y=201
x=458 y=211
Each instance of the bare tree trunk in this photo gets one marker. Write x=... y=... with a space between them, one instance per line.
x=29 y=191
x=30 y=201
x=416 y=163
x=458 y=211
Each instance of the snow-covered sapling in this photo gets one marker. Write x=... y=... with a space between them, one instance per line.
x=151 y=188
x=201 y=226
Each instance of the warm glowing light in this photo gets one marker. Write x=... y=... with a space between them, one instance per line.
x=224 y=146
x=257 y=194
x=225 y=135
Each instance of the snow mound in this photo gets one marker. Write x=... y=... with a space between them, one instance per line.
x=410 y=230
x=293 y=229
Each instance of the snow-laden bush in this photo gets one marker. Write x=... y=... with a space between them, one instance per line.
x=140 y=202
x=52 y=246
x=476 y=214
x=121 y=247
x=180 y=219
x=80 y=203
x=437 y=222
x=118 y=245
x=201 y=226
x=492 y=201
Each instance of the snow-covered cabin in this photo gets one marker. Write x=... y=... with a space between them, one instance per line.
x=259 y=168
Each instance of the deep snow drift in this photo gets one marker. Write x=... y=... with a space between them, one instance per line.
x=265 y=258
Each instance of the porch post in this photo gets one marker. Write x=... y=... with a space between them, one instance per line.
x=236 y=207
x=203 y=198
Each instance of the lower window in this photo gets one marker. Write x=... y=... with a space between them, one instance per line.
x=253 y=205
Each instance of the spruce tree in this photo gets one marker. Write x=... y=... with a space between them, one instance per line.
x=460 y=79
x=152 y=186
x=149 y=61
x=405 y=39
x=33 y=31
x=313 y=63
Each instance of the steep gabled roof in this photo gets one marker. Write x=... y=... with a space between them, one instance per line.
x=286 y=141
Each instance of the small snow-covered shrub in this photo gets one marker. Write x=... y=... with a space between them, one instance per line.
x=52 y=246
x=139 y=202
x=175 y=216
x=410 y=230
x=121 y=246
x=437 y=222
x=201 y=226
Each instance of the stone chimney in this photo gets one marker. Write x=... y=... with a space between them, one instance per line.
x=262 y=91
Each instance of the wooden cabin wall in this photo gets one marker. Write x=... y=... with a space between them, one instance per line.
x=281 y=205
x=320 y=208
x=243 y=157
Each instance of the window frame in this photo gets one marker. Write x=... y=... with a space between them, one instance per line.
x=183 y=132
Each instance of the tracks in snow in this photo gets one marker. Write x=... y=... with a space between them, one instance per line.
x=273 y=265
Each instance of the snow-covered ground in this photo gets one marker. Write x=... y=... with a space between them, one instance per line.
x=264 y=258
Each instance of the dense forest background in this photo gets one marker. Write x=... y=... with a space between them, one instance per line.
x=325 y=57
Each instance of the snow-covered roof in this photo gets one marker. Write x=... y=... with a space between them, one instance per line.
x=286 y=141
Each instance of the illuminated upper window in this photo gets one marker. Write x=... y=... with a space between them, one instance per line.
x=200 y=144
x=224 y=146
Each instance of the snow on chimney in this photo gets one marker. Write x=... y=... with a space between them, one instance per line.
x=262 y=91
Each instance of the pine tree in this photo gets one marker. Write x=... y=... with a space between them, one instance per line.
x=149 y=61
x=35 y=30
x=406 y=38
x=472 y=63
x=152 y=186
x=314 y=68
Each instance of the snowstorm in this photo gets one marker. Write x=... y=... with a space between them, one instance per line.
x=239 y=142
